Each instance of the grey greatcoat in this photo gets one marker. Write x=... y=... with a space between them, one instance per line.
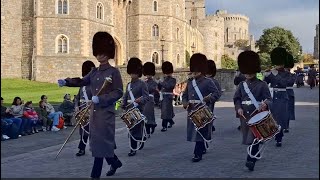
x=218 y=87
x=291 y=111
x=149 y=107
x=102 y=115
x=206 y=86
x=260 y=91
x=280 y=99
x=139 y=89
x=167 y=86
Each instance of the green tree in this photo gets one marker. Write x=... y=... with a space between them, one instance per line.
x=228 y=63
x=277 y=36
x=187 y=58
x=265 y=60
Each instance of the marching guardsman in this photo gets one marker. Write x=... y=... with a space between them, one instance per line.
x=102 y=113
x=166 y=95
x=239 y=77
x=211 y=73
x=291 y=112
x=249 y=65
x=300 y=77
x=312 y=77
x=149 y=70
x=137 y=96
x=81 y=100
x=199 y=90
x=279 y=79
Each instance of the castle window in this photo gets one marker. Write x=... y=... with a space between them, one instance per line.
x=62 y=6
x=155 y=6
x=216 y=34
x=177 y=36
x=62 y=44
x=155 y=31
x=216 y=46
x=178 y=58
x=100 y=14
x=235 y=37
x=155 y=58
x=177 y=10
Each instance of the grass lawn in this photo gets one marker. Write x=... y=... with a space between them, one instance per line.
x=32 y=90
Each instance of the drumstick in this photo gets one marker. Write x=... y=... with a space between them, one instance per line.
x=243 y=117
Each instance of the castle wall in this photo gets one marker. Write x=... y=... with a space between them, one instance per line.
x=11 y=38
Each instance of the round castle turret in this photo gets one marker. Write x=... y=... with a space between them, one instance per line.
x=236 y=26
x=212 y=28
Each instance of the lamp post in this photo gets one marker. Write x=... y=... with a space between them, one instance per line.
x=162 y=40
x=193 y=47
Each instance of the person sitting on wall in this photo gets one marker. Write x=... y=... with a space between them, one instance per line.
x=67 y=108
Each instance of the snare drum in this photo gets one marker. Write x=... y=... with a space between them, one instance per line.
x=201 y=116
x=132 y=117
x=263 y=126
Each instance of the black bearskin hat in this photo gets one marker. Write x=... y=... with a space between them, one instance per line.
x=198 y=63
x=212 y=69
x=289 y=62
x=87 y=66
x=278 y=56
x=167 y=68
x=149 y=69
x=134 y=66
x=103 y=43
x=249 y=62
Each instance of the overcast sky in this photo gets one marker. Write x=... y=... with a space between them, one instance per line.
x=299 y=16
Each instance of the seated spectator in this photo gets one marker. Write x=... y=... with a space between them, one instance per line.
x=32 y=115
x=17 y=111
x=43 y=117
x=10 y=126
x=4 y=130
x=67 y=108
x=52 y=113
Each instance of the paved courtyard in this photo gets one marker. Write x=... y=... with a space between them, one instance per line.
x=168 y=154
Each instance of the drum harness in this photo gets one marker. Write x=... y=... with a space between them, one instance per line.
x=255 y=141
x=195 y=86
x=144 y=131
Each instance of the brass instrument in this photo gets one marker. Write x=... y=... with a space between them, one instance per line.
x=83 y=115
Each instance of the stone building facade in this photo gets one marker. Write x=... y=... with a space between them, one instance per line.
x=45 y=40
x=316 y=43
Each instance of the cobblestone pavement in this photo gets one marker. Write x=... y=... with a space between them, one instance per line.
x=168 y=154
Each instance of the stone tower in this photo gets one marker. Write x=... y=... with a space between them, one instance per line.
x=157 y=31
x=195 y=11
x=212 y=28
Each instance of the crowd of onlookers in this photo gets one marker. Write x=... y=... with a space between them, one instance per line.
x=22 y=119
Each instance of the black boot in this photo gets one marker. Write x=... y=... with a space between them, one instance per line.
x=286 y=130
x=279 y=144
x=163 y=129
x=132 y=153
x=250 y=165
x=196 y=158
x=113 y=168
x=81 y=153
x=213 y=128
x=153 y=128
